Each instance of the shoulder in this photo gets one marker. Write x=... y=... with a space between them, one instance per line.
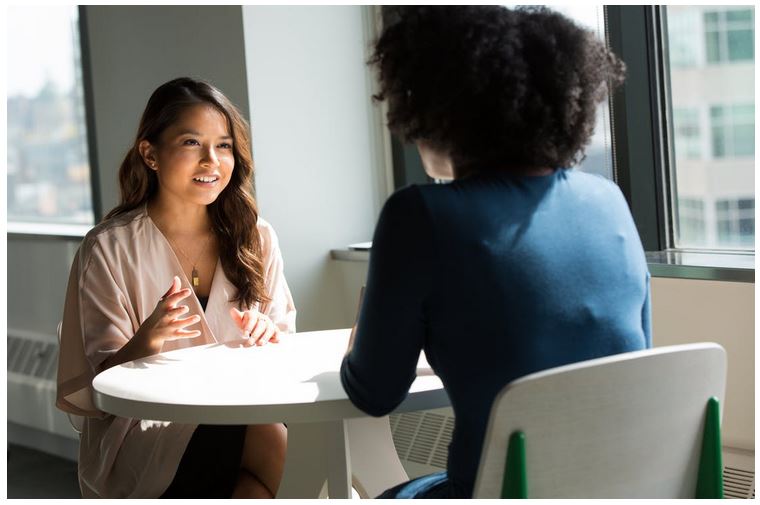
x=593 y=182
x=405 y=218
x=405 y=201
x=108 y=236
x=267 y=235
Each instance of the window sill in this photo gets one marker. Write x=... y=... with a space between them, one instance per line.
x=701 y=265
x=48 y=230
x=349 y=255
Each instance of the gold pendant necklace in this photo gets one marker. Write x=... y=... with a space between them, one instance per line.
x=196 y=279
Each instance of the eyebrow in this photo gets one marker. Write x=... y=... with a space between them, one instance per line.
x=193 y=132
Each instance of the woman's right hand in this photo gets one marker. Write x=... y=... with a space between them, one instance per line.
x=164 y=323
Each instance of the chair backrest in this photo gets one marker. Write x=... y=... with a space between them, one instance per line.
x=623 y=426
x=77 y=422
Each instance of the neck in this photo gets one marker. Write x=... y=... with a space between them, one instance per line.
x=183 y=219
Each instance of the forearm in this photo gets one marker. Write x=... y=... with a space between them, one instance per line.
x=137 y=347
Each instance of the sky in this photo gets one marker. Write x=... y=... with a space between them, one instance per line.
x=40 y=44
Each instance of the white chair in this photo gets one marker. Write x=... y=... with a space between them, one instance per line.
x=77 y=422
x=644 y=424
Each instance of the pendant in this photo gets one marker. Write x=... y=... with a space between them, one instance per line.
x=196 y=279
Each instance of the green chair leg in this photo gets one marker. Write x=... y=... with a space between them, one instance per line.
x=710 y=479
x=515 y=484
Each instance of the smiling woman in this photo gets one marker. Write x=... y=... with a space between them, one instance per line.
x=186 y=221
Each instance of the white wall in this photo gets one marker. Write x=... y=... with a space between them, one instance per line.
x=316 y=143
x=685 y=311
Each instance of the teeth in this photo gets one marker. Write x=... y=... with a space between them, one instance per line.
x=205 y=179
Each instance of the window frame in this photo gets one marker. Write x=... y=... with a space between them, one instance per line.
x=644 y=150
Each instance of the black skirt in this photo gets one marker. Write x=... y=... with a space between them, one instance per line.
x=211 y=463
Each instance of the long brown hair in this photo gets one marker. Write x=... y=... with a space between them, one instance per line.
x=234 y=213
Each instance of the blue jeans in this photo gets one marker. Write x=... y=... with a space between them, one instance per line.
x=435 y=485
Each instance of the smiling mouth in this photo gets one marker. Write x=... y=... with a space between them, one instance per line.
x=206 y=180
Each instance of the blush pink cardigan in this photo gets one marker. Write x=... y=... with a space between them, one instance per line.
x=120 y=271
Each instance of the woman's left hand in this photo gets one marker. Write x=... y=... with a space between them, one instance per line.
x=256 y=327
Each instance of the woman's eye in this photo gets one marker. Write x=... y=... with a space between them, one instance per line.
x=225 y=145
x=190 y=142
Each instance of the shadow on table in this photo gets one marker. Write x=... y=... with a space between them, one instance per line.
x=156 y=359
x=328 y=383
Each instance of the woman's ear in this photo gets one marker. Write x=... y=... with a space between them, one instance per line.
x=148 y=154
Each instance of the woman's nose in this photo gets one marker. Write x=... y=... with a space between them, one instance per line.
x=210 y=157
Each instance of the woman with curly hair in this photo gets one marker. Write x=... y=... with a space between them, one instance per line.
x=521 y=263
x=187 y=222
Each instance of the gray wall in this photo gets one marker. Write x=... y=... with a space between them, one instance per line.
x=134 y=49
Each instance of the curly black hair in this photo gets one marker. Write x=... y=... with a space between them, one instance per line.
x=492 y=86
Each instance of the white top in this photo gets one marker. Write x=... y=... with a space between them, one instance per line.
x=297 y=380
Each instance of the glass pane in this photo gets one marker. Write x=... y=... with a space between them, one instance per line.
x=718 y=142
x=713 y=127
x=686 y=133
x=742 y=15
x=711 y=20
x=48 y=167
x=683 y=48
x=744 y=140
x=713 y=46
x=740 y=45
x=747 y=204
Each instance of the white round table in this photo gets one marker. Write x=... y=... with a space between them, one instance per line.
x=297 y=382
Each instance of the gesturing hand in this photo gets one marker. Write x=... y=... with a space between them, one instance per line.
x=164 y=323
x=257 y=327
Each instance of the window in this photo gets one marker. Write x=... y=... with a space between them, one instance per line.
x=729 y=35
x=691 y=221
x=48 y=168
x=733 y=130
x=736 y=222
x=688 y=139
x=713 y=126
x=684 y=47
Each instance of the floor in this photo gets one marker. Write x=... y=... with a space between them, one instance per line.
x=34 y=474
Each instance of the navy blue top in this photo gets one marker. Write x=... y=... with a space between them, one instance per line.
x=495 y=276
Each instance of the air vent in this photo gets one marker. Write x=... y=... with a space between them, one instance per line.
x=33 y=358
x=738 y=483
x=422 y=437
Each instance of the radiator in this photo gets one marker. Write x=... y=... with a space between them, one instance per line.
x=32 y=369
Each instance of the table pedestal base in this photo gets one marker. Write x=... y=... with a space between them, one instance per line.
x=358 y=452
